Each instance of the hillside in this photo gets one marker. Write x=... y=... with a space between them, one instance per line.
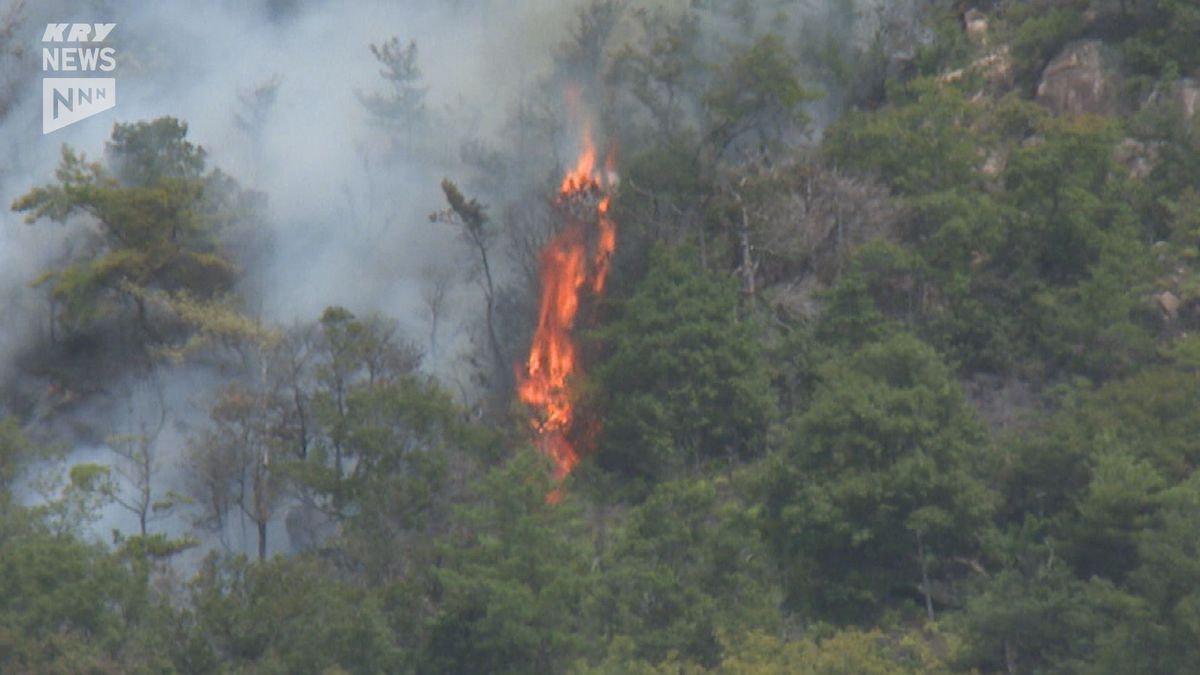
x=740 y=337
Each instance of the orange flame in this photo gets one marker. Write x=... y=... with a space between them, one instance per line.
x=566 y=269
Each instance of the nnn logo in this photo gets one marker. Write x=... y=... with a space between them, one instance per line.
x=66 y=100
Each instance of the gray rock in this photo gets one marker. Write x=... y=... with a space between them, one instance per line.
x=1080 y=80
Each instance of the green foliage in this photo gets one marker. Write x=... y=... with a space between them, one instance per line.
x=876 y=294
x=1168 y=578
x=16 y=452
x=511 y=580
x=1164 y=43
x=666 y=71
x=64 y=606
x=757 y=92
x=1121 y=503
x=683 y=378
x=1039 y=33
x=923 y=143
x=876 y=528
x=1043 y=621
x=879 y=484
x=686 y=567
x=280 y=616
x=159 y=218
x=846 y=652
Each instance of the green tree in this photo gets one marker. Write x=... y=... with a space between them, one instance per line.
x=65 y=606
x=878 y=490
x=683 y=378
x=1168 y=578
x=687 y=566
x=158 y=219
x=286 y=615
x=1042 y=620
x=757 y=94
x=510 y=585
x=1122 y=502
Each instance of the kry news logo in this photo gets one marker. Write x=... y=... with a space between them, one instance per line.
x=66 y=100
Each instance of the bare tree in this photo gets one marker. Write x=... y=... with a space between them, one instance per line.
x=138 y=461
x=472 y=219
x=231 y=464
x=796 y=221
x=438 y=281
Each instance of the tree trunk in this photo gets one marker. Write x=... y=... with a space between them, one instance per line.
x=748 y=266
x=924 y=576
x=262 y=539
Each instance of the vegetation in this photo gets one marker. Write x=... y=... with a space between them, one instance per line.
x=917 y=394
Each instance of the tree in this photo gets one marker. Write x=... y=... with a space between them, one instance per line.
x=286 y=615
x=352 y=355
x=232 y=467
x=1100 y=536
x=512 y=578
x=402 y=105
x=1167 y=577
x=16 y=452
x=231 y=461
x=438 y=284
x=664 y=72
x=877 y=494
x=757 y=93
x=472 y=219
x=139 y=464
x=65 y=606
x=681 y=379
x=1042 y=620
x=686 y=567
x=156 y=216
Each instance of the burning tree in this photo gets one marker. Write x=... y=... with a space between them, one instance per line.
x=574 y=261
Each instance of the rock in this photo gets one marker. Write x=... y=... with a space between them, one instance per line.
x=1184 y=93
x=1169 y=304
x=976 y=25
x=995 y=66
x=1188 y=93
x=1078 y=81
x=994 y=165
x=1136 y=156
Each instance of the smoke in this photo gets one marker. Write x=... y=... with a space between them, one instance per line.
x=273 y=90
x=348 y=216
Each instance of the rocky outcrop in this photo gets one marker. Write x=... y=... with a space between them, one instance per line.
x=1138 y=157
x=1184 y=94
x=1168 y=304
x=976 y=24
x=1081 y=80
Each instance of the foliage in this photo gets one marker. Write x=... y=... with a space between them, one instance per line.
x=280 y=616
x=687 y=567
x=512 y=579
x=948 y=424
x=879 y=486
x=157 y=218
x=683 y=379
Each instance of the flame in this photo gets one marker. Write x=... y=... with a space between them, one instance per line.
x=567 y=269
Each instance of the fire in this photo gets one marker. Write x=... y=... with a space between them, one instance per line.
x=566 y=271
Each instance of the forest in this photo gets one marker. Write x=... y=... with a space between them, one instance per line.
x=660 y=337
